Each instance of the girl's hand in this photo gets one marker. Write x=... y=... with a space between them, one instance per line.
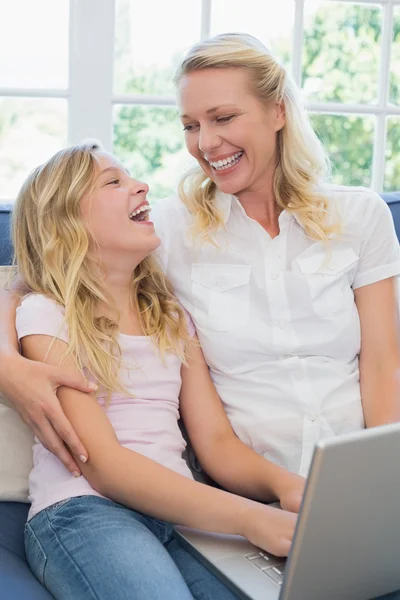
x=32 y=388
x=269 y=528
x=290 y=491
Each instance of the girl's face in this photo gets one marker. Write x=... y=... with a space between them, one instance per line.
x=116 y=213
x=227 y=129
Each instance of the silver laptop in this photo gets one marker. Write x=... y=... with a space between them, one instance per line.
x=347 y=540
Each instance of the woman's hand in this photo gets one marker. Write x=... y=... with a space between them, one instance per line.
x=290 y=491
x=32 y=388
x=269 y=528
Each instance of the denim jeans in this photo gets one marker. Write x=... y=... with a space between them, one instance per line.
x=91 y=548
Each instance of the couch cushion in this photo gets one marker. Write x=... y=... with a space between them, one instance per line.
x=391 y=197
x=16 y=442
x=5 y=245
x=16 y=578
x=393 y=200
x=5 y=274
x=13 y=517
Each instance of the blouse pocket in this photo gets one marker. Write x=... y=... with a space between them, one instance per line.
x=221 y=295
x=326 y=277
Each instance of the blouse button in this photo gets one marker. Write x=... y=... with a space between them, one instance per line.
x=219 y=281
x=280 y=323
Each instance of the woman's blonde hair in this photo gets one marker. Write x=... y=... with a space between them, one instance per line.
x=302 y=164
x=51 y=247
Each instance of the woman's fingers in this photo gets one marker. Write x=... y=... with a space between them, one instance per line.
x=79 y=382
x=67 y=434
x=33 y=391
x=51 y=440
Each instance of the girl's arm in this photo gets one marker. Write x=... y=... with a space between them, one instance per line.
x=31 y=386
x=222 y=455
x=144 y=485
x=378 y=308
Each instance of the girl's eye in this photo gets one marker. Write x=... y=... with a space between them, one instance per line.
x=114 y=181
x=188 y=128
x=225 y=119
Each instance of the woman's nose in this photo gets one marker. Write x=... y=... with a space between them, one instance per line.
x=208 y=140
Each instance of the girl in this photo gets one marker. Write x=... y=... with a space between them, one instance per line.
x=98 y=304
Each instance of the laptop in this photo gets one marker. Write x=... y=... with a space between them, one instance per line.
x=347 y=539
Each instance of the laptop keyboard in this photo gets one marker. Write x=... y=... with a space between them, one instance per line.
x=271 y=565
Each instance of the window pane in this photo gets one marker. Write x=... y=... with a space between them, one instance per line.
x=392 y=154
x=272 y=27
x=34 y=43
x=151 y=37
x=395 y=70
x=31 y=130
x=341 y=51
x=149 y=141
x=349 y=141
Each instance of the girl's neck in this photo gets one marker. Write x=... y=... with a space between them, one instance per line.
x=122 y=307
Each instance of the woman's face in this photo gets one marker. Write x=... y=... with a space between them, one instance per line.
x=116 y=212
x=227 y=129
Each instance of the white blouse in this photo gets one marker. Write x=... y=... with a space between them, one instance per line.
x=276 y=318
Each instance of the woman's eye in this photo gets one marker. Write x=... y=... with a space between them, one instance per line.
x=114 y=181
x=188 y=127
x=225 y=119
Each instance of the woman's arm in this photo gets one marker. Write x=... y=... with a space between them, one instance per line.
x=144 y=485
x=378 y=308
x=222 y=455
x=31 y=386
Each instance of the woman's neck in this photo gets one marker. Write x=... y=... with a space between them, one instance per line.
x=263 y=208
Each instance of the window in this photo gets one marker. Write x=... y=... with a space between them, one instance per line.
x=33 y=87
x=104 y=70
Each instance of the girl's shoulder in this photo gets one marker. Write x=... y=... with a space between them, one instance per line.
x=39 y=314
x=40 y=303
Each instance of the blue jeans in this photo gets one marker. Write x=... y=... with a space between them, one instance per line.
x=92 y=548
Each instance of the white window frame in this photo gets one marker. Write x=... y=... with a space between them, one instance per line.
x=91 y=61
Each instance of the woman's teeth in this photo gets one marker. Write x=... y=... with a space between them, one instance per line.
x=141 y=213
x=226 y=163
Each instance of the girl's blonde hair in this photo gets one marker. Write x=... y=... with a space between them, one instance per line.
x=302 y=164
x=51 y=247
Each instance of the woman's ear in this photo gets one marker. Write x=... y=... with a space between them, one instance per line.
x=280 y=117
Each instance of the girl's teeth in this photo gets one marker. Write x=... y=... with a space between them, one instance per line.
x=144 y=208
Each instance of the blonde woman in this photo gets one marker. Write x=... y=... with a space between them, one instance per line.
x=98 y=304
x=291 y=283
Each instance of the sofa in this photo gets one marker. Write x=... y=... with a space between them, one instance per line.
x=16 y=579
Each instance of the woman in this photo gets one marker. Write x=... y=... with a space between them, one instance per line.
x=281 y=273
x=98 y=303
